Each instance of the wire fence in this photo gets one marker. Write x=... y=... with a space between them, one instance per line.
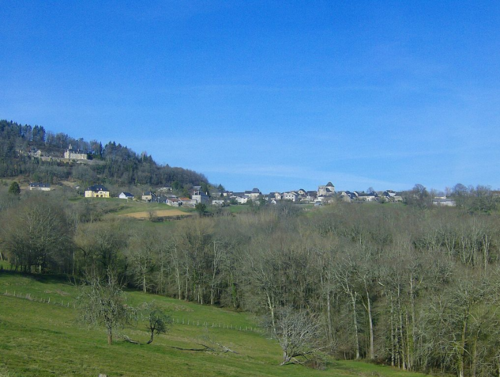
x=176 y=320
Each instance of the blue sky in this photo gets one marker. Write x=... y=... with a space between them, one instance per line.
x=277 y=95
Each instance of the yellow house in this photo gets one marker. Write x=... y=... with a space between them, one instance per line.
x=97 y=191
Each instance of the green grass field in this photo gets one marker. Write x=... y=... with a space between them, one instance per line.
x=42 y=338
x=133 y=206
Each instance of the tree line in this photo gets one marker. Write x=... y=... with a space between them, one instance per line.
x=118 y=164
x=409 y=286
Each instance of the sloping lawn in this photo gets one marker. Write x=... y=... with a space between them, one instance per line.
x=45 y=339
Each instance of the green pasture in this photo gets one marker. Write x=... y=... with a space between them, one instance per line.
x=126 y=207
x=42 y=338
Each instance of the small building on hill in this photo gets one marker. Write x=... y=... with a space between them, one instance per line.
x=200 y=197
x=326 y=190
x=97 y=191
x=38 y=186
x=443 y=201
x=174 y=202
x=290 y=196
x=148 y=196
x=253 y=195
x=70 y=155
x=125 y=195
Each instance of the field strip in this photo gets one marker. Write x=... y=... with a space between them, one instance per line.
x=158 y=213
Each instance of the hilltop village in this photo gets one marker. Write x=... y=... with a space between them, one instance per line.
x=191 y=195
x=324 y=195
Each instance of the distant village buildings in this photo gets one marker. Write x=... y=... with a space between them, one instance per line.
x=200 y=197
x=125 y=195
x=324 y=194
x=38 y=186
x=326 y=190
x=70 y=155
x=97 y=191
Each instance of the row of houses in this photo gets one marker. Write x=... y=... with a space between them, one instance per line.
x=357 y=196
x=160 y=196
x=324 y=194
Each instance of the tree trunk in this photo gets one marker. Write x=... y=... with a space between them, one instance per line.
x=186 y=297
x=409 y=344
x=461 y=351
x=474 y=359
x=370 y=324
x=271 y=311
x=162 y=271
x=151 y=339
x=286 y=358
x=413 y=321
x=214 y=275
x=486 y=247
x=110 y=336
x=393 y=337
x=355 y=320
x=178 y=281
x=329 y=316
x=402 y=348
x=402 y=340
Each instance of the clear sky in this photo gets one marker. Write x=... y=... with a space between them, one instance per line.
x=278 y=95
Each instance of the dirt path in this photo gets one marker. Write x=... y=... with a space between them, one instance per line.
x=158 y=213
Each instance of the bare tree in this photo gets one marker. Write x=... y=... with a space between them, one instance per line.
x=297 y=333
x=102 y=303
x=141 y=255
x=99 y=247
x=37 y=234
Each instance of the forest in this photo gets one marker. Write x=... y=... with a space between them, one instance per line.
x=400 y=284
x=115 y=163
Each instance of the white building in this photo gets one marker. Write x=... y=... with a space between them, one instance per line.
x=70 y=155
x=200 y=197
x=39 y=186
x=125 y=195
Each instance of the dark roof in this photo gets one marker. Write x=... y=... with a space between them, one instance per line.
x=97 y=188
x=329 y=184
x=254 y=191
x=39 y=184
x=127 y=193
x=367 y=194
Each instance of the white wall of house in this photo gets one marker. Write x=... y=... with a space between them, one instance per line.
x=200 y=197
x=241 y=200
x=290 y=196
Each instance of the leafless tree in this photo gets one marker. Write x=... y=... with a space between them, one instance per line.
x=297 y=332
x=102 y=303
x=37 y=234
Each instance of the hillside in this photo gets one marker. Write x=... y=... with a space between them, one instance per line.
x=40 y=336
x=38 y=155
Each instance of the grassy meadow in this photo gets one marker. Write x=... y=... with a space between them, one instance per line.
x=40 y=336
